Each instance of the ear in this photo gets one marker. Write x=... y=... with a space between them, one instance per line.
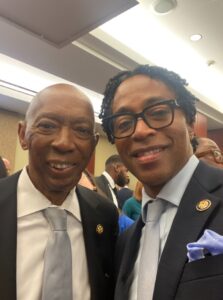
x=21 y=134
x=116 y=167
x=96 y=138
x=190 y=128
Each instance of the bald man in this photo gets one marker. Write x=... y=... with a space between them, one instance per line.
x=208 y=151
x=59 y=134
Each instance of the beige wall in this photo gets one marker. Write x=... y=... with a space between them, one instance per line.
x=21 y=157
x=103 y=151
x=8 y=135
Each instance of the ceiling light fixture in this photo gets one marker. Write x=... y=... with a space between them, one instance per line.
x=196 y=37
x=164 y=6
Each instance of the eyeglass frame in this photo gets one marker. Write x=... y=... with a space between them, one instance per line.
x=172 y=103
x=213 y=153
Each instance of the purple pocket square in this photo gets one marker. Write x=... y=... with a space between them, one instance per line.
x=210 y=243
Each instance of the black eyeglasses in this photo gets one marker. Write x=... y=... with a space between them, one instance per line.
x=156 y=116
x=217 y=155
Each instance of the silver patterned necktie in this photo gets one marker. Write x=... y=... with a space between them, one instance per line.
x=149 y=258
x=57 y=277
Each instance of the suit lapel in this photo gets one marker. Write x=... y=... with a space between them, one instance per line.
x=106 y=184
x=99 y=244
x=187 y=226
x=89 y=226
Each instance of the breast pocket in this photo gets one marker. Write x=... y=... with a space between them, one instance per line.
x=202 y=280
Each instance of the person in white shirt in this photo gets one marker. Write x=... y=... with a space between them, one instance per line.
x=59 y=134
x=115 y=173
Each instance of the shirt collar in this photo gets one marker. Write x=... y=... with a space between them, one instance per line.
x=174 y=189
x=110 y=179
x=31 y=200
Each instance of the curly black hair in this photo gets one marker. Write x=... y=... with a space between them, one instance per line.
x=185 y=98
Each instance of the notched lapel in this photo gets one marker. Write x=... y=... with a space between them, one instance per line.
x=188 y=225
x=97 y=239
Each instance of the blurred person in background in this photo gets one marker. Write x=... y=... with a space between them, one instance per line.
x=124 y=192
x=115 y=173
x=207 y=150
x=132 y=206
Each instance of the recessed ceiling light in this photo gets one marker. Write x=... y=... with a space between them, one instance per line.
x=164 y=6
x=195 y=37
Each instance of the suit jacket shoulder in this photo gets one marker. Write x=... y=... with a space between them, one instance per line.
x=103 y=184
x=194 y=280
x=8 y=236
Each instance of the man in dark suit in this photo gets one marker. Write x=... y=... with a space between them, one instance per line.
x=115 y=173
x=59 y=133
x=149 y=114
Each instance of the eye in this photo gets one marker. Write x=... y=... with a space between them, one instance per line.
x=123 y=123
x=83 y=132
x=46 y=126
x=160 y=112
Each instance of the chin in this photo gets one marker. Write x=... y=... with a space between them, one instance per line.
x=61 y=186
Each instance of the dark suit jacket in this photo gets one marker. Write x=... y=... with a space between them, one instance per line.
x=176 y=278
x=123 y=194
x=99 y=247
x=103 y=184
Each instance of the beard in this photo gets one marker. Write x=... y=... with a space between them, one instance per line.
x=121 y=180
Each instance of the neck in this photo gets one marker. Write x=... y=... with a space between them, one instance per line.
x=56 y=198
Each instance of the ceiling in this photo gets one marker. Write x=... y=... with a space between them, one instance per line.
x=56 y=37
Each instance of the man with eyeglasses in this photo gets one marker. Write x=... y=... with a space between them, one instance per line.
x=149 y=114
x=208 y=151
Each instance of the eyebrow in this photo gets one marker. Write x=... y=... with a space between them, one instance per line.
x=59 y=118
x=147 y=103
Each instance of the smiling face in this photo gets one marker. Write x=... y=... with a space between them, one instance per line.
x=153 y=156
x=59 y=135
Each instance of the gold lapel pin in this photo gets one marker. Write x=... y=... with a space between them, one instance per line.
x=99 y=229
x=203 y=205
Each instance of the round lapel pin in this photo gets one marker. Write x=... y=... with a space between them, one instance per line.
x=203 y=205
x=99 y=229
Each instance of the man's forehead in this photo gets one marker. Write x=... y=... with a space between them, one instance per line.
x=138 y=82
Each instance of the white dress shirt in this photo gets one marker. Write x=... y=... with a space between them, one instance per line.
x=172 y=192
x=111 y=185
x=33 y=231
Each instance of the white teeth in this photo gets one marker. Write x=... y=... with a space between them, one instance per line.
x=60 y=166
x=149 y=152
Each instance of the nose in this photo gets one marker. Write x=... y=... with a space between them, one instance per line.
x=64 y=140
x=142 y=130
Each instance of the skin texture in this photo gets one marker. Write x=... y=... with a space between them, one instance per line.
x=57 y=156
x=206 y=144
x=153 y=156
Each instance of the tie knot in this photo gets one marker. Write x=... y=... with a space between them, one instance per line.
x=154 y=210
x=57 y=218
